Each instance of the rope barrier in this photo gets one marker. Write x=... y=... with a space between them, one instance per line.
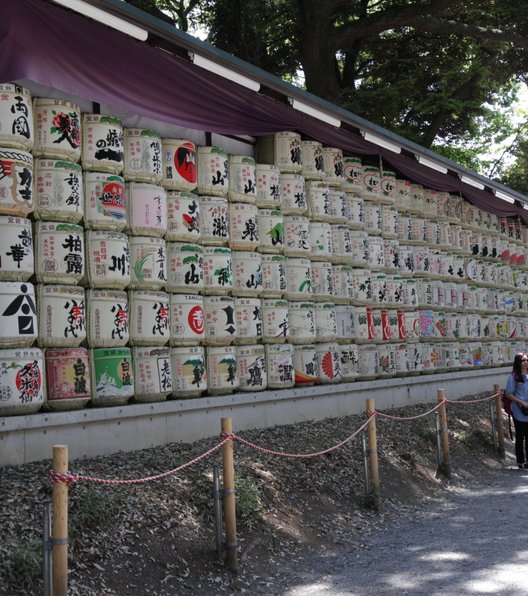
x=472 y=401
x=382 y=415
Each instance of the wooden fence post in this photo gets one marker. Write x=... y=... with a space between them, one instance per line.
x=498 y=418
x=373 y=456
x=229 y=497
x=60 y=523
x=445 y=466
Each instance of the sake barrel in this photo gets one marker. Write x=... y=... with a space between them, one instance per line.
x=373 y=218
x=333 y=166
x=376 y=253
x=329 y=362
x=416 y=205
x=389 y=222
x=301 y=318
x=149 y=318
x=102 y=143
x=67 y=379
x=187 y=319
x=268 y=186
x=371 y=183
x=61 y=316
x=279 y=359
x=183 y=216
x=363 y=324
x=248 y=318
x=452 y=355
x=387 y=361
x=112 y=375
x=359 y=248
x=322 y=280
x=142 y=159
x=242 y=179
x=422 y=261
x=16 y=183
x=57 y=129
x=108 y=259
x=220 y=323
x=430 y=202
x=275 y=320
x=283 y=149
x=189 y=372
x=321 y=241
x=243 y=226
x=380 y=325
x=218 y=270
x=387 y=186
x=214 y=221
x=362 y=286
x=349 y=362
x=325 y=322
x=337 y=203
x=147 y=209
x=213 y=171
x=222 y=370
x=404 y=227
x=298 y=279
x=58 y=190
x=247 y=273
x=391 y=251
x=251 y=364
x=444 y=235
x=428 y=358
x=152 y=374
x=148 y=263
x=417 y=235
x=412 y=325
x=297 y=236
x=379 y=288
x=368 y=362
x=424 y=288
x=312 y=160
x=178 y=164
x=305 y=365
x=271 y=230
x=443 y=206
x=22 y=384
x=402 y=360
x=317 y=196
x=273 y=276
x=104 y=201
x=416 y=358
x=344 y=320
x=16 y=117
x=342 y=245
x=184 y=267
x=107 y=324
x=343 y=283
x=352 y=174
x=402 y=197
x=355 y=211
x=16 y=248
x=19 y=314
x=293 y=194
x=59 y=255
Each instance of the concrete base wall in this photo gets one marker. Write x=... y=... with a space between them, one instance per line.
x=102 y=431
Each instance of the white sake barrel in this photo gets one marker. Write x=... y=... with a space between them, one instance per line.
x=412 y=325
x=305 y=365
x=149 y=318
x=371 y=183
x=355 y=208
x=184 y=268
x=59 y=192
x=417 y=231
x=59 y=254
x=425 y=292
x=352 y=174
x=388 y=186
x=317 y=196
x=148 y=263
x=416 y=358
x=242 y=179
x=426 y=319
x=298 y=279
x=104 y=201
x=368 y=362
x=218 y=270
x=344 y=320
x=402 y=197
x=373 y=218
x=273 y=275
x=213 y=171
x=112 y=375
x=142 y=161
x=428 y=357
x=251 y=364
x=147 y=209
x=452 y=354
x=61 y=316
x=466 y=356
x=312 y=160
x=363 y=324
x=390 y=226
x=343 y=283
x=67 y=379
x=443 y=206
x=189 y=372
x=321 y=241
x=22 y=384
x=271 y=230
x=102 y=143
x=275 y=320
x=404 y=227
x=402 y=360
x=325 y=321
x=178 y=164
x=17 y=261
x=248 y=318
x=337 y=206
x=152 y=374
x=416 y=205
x=333 y=166
x=19 y=314
x=247 y=273
x=293 y=194
x=362 y=286
x=391 y=250
x=329 y=362
x=279 y=359
x=183 y=217
x=108 y=259
x=380 y=325
x=57 y=129
x=376 y=253
x=16 y=183
x=444 y=235
x=349 y=362
x=387 y=361
x=268 y=186
x=187 y=319
x=282 y=149
x=322 y=280
x=297 y=236
x=107 y=318
x=301 y=317
x=222 y=370
x=243 y=226
x=422 y=261
x=214 y=221
x=359 y=245
x=220 y=322
x=342 y=244
x=16 y=117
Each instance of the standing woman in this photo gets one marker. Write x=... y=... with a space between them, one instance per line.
x=517 y=391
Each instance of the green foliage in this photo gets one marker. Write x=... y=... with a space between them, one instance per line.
x=248 y=498
x=26 y=563
x=93 y=507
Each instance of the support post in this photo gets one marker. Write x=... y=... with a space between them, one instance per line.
x=60 y=523
x=229 y=497
x=373 y=456
x=445 y=467
x=498 y=418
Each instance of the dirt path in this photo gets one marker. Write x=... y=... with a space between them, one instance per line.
x=472 y=541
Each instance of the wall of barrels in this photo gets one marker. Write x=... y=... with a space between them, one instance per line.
x=140 y=268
